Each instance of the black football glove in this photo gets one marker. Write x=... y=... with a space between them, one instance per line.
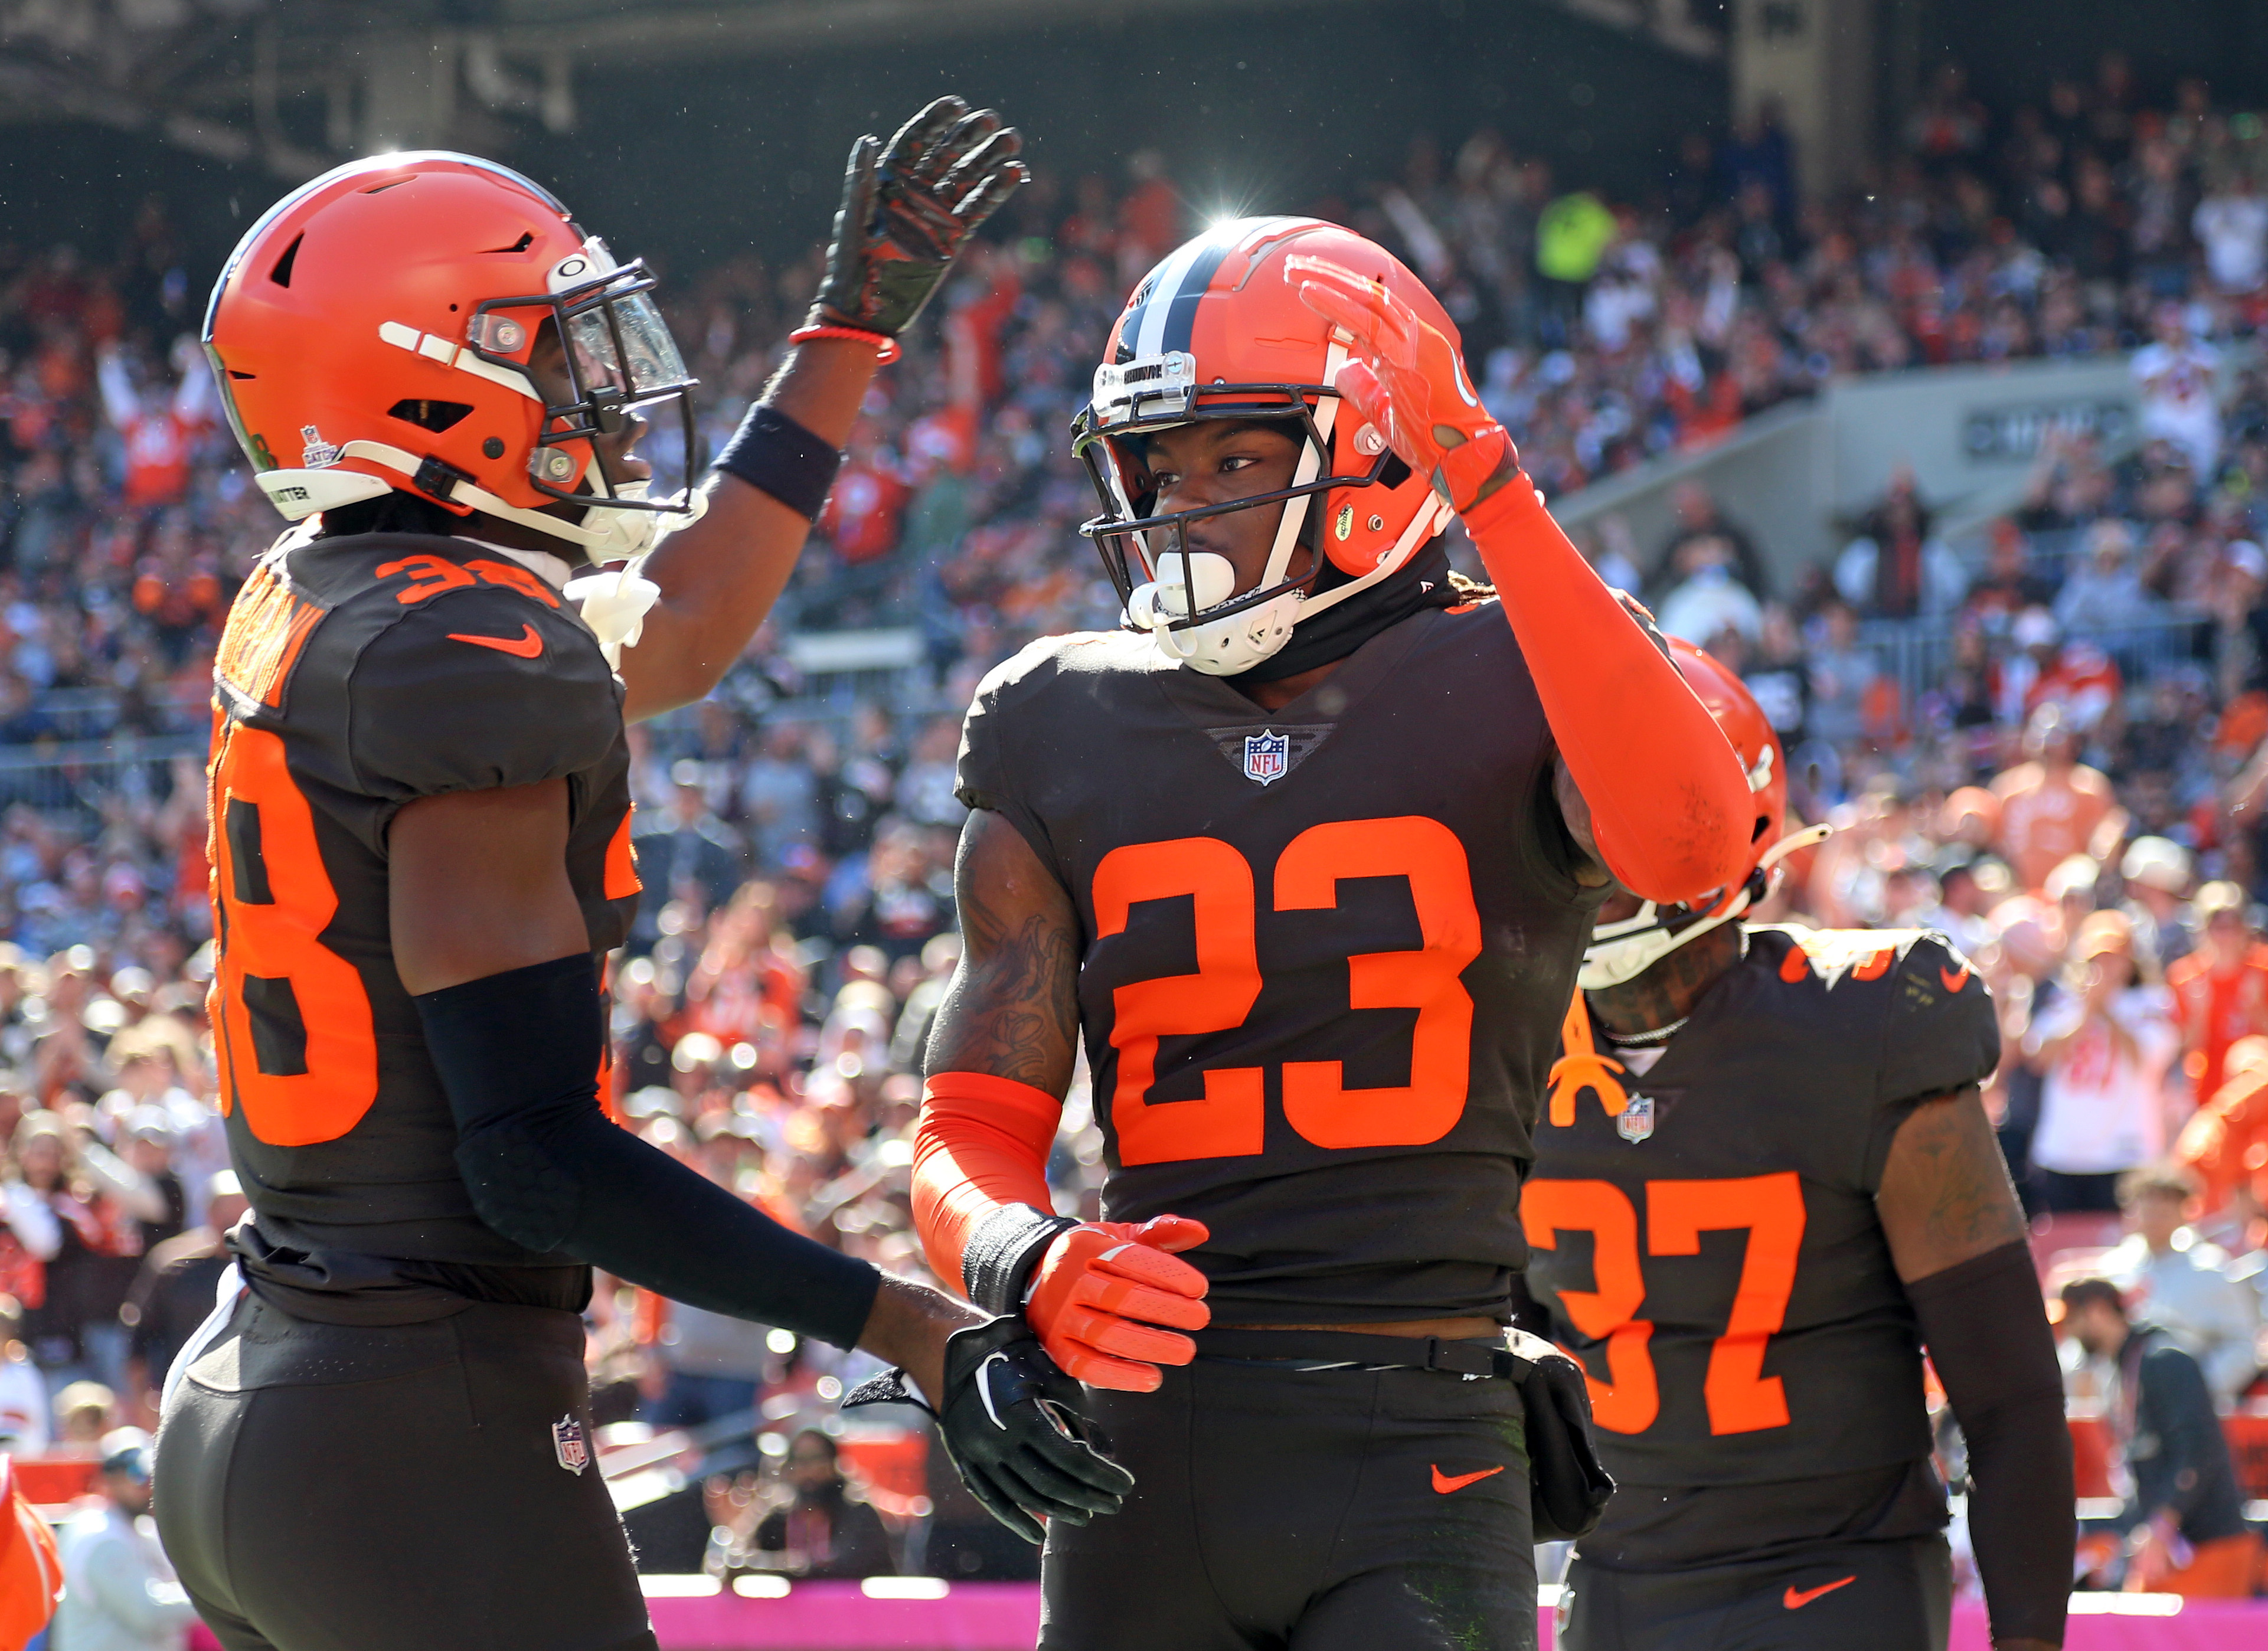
x=1009 y=1427
x=907 y=211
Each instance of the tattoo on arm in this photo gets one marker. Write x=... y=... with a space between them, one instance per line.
x=1012 y=1009
x=1946 y=1197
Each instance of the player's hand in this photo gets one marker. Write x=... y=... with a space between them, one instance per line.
x=1104 y=1289
x=1011 y=1424
x=1405 y=377
x=907 y=210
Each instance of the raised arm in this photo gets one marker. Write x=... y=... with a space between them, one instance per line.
x=1957 y=1235
x=906 y=214
x=1108 y=1298
x=1668 y=804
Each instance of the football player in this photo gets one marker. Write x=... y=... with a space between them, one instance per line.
x=1766 y=1181
x=1308 y=853
x=420 y=844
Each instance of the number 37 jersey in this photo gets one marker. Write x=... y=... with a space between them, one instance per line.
x=355 y=675
x=1324 y=951
x=1704 y=1231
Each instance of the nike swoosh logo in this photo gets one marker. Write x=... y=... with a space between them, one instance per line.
x=1446 y=1483
x=1795 y=1600
x=984 y=1388
x=526 y=646
x=1953 y=983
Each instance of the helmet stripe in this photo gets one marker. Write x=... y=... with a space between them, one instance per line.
x=1179 y=318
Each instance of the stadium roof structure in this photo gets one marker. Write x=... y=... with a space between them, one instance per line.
x=293 y=86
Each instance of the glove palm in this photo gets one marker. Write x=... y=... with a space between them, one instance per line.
x=907 y=212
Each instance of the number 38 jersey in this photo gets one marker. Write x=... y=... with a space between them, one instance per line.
x=1324 y=951
x=356 y=674
x=1705 y=1239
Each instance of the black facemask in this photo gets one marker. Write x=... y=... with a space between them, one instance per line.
x=1422 y=582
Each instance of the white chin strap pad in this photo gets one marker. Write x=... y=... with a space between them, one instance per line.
x=1187 y=582
x=1191 y=582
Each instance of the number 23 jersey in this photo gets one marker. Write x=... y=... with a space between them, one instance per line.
x=1323 y=950
x=1705 y=1232
x=356 y=674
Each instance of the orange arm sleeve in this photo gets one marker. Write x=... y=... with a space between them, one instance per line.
x=1669 y=805
x=981 y=1144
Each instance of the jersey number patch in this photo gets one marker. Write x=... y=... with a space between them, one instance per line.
x=1741 y=1398
x=294 y=1038
x=1231 y=1119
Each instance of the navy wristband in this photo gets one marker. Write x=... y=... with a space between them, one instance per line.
x=771 y=452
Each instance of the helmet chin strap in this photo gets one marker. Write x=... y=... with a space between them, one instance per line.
x=621 y=534
x=1620 y=952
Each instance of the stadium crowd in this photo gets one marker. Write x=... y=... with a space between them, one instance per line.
x=2074 y=785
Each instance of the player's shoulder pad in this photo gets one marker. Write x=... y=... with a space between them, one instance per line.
x=1041 y=665
x=1911 y=987
x=477 y=687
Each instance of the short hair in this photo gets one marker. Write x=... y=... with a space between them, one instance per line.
x=2082 y=1292
x=2157 y=1180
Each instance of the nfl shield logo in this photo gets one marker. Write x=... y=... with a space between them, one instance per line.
x=1266 y=756
x=567 y=1443
x=1637 y=1120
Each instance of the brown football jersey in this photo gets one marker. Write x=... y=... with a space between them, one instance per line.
x=1325 y=950
x=1706 y=1237
x=356 y=674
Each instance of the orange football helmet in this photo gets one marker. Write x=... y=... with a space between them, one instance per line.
x=1625 y=949
x=1218 y=331
x=376 y=324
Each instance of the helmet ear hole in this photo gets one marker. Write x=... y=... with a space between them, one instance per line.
x=1394 y=474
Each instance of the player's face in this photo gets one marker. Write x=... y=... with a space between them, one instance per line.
x=547 y=365
x=1216 y=461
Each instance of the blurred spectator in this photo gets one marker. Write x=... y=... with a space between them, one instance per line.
x=2052 y=805
x=2231 y=224
x=1894 y=569
x=689 y=850
x=174 y=1290
x=2184 y=1518
x=2177 y=377
x=118 y=1592
x=2225 y=1143
x=2180 y=1284
x=829 y=1529
x=23 y=1392
x=85 y=1412
x=1841 y=674
x=2105 y=593
x=2156 y=873
x=2221 y=987
x=2102 y=1050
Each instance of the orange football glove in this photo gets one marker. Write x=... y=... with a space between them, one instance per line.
x=1407 y=379
x=1103 y=1288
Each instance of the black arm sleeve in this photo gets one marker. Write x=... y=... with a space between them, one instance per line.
x=1987 y=1334
x=518 y=1054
